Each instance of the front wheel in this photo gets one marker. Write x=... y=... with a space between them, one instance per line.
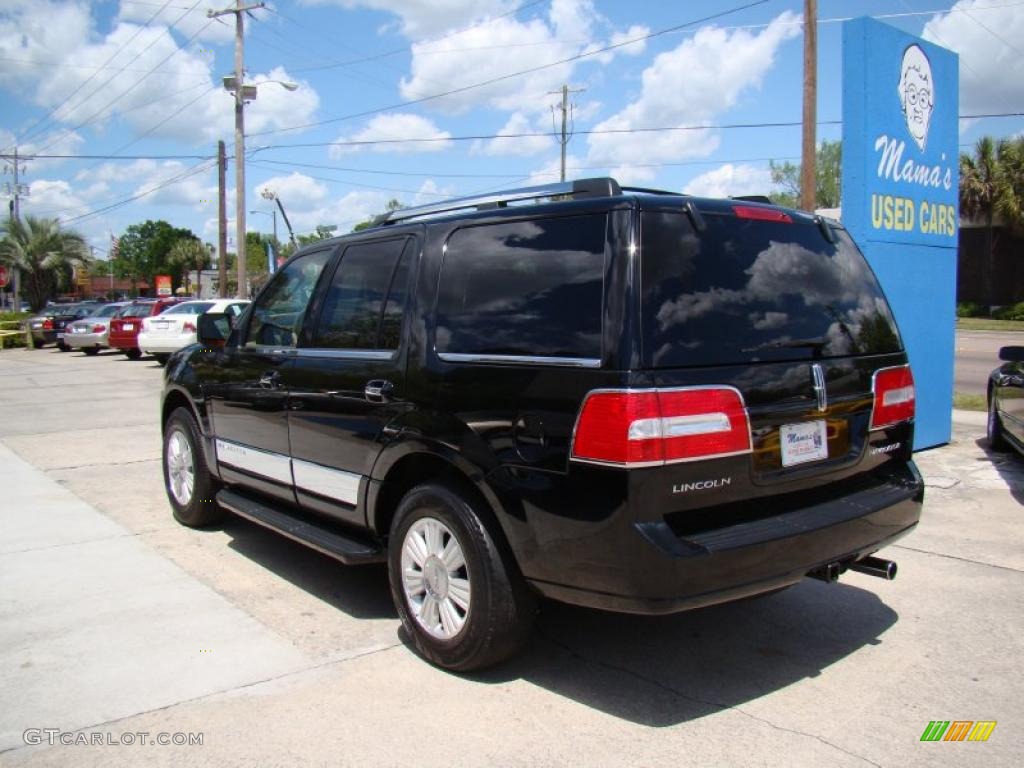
x=91 y=351
x=994 y=426
x=190 y=486
x=464 y=605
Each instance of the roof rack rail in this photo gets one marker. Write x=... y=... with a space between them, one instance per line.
x=650 y=191
x=581 y=188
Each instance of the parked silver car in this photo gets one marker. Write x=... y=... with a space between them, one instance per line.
x=89 y=334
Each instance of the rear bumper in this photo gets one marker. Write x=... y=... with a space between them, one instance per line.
x=80 y=340
x=123 y=341
x=154 y=343
x=663 y=573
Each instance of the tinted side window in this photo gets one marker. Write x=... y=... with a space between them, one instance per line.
x=746 y=291
x=278 y=312
x=525 y=288
x=358 y=295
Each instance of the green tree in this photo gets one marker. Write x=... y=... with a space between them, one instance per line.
x=145 y=249
x=828 y=169
x=981 y=179
x=1010 y=194
x=44 y=254
x=392 y=205
x=187 y=254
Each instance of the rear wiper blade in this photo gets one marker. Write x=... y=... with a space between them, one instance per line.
x=815 y=344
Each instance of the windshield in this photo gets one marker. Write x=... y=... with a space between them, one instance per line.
x=188 y=308
x=746 y=291
x=136 y=309
x=107 y=311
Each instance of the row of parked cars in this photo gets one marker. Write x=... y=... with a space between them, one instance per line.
x=152 y=326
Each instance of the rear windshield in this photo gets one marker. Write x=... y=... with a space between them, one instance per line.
x=107 y=311
x=746 y=291
x=188 y=308
x=137 y=309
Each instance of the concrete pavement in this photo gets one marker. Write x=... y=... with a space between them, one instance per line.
x=307 y=664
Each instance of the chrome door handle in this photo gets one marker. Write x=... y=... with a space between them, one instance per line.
x=378 y=391
x=270 y=380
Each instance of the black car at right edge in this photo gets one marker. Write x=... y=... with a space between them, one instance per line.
x=626 y=399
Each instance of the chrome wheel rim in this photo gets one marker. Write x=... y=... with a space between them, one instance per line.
x=181 y=473
x=435 y=578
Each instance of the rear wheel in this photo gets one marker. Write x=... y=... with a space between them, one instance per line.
x=190 y=486
x=91 y=351
x=161 y=358
x=134 y=353
x=63 y=347
x=994 y=426
x=463 y=604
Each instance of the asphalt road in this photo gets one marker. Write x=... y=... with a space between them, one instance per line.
x=116 y=622
x=977 y=353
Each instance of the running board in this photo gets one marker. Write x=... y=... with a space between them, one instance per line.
x=348 y=550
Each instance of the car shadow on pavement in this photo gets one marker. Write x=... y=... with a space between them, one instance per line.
x=1009 y=464
x=662 y=671
x=360 y=591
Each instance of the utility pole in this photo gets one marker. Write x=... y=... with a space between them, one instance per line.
x=808 y=171
x=565 y=108
x=240 y=91
x=16 y=191
x=222 y=222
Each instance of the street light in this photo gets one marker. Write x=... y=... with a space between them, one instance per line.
x=243 y=92
x=270 y=258
x=268 y=194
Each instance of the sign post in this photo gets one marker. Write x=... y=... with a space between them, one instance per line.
x=901 y=196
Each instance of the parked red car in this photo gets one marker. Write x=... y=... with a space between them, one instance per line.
x=124 y=329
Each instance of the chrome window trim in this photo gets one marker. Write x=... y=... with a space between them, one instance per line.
x=348 y=354
x=571 y=362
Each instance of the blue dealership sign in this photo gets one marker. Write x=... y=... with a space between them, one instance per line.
x=900 y=195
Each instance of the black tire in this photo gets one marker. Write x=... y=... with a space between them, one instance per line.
x=63 y=347
x=501 y=607
x=38 y=343
x=91 y=351
x=161 y=358
x=134 y=353
x=994 y=427
x=200 y=508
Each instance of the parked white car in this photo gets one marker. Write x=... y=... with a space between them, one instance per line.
x=175 y=327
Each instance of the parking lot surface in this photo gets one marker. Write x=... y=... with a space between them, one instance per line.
x=116 y=622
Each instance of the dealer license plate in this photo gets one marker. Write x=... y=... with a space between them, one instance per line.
x=803 y=442
x=128 y=327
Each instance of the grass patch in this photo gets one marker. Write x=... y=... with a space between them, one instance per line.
x=988 y=324
x=969 y=402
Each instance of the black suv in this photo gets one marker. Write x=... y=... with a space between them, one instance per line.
x=627 y=399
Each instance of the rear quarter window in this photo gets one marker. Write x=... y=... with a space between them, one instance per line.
x=745 y=291
x=527 y=288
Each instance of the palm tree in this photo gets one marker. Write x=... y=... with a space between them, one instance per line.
x=1010 y=200
x=979 y=195
x=44 y=254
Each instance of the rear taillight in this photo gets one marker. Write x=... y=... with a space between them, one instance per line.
x=189 y=327
x=47 y=324
x=98 y=328
x=761 y=214
x=894 y=397
x=650 y=427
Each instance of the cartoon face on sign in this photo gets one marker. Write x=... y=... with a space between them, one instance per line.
x=917 y=94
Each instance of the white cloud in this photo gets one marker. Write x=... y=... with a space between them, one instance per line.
x=54 y=143
x=178 y=17
x=988 y=38
x=731 y=180
x=430 y=192
x=162 y=187
x=484 y=53
x=551 y=172
x=296 y=191
x=396 y=127
x=700 y=79
x=52 y=198
x=428 y=18
x=517 y=146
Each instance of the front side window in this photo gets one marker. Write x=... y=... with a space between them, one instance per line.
x=279 y=311
x=527 y=288
x=363 y=306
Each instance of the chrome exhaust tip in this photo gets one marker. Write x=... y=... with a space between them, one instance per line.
x=875 y=566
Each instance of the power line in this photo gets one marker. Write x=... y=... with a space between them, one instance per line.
x=501 y=78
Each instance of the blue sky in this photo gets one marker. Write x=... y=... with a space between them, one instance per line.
x=139 y=82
